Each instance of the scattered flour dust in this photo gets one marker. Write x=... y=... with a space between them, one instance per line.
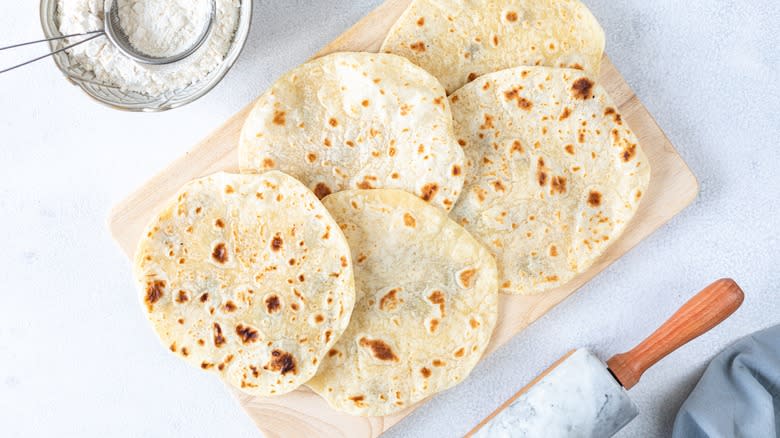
x=155 y=27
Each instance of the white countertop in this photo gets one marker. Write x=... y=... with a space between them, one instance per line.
x=77 y=357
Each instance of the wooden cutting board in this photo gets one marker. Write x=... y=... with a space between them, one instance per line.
x=303 y=413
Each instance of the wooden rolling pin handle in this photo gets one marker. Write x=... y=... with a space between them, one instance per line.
x=703 y=312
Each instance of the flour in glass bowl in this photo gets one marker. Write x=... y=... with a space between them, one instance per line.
x=157 y=28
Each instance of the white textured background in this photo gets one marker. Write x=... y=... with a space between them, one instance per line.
x=77 y=357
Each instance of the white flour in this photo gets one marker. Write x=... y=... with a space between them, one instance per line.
x=155 y=27
x=163 y=27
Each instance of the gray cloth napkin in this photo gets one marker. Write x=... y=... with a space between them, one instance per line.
x=739 y=393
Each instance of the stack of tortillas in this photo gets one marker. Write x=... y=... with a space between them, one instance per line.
x=363 y=249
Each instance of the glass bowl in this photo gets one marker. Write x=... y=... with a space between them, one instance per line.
x=117 y=98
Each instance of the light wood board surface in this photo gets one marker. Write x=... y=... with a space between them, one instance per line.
x=303 y=413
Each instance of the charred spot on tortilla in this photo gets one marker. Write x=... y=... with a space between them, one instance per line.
x=220 y=253
x=582 y=88
x=154 y=291
x=379 y=349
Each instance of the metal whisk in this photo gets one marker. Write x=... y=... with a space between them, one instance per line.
x=116 y=34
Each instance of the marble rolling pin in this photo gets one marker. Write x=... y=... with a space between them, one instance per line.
x=581 y=396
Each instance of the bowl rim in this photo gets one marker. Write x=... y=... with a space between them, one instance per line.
x=228 y=62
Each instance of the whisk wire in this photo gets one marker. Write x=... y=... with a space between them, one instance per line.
x=95 y=34
x=50 y=39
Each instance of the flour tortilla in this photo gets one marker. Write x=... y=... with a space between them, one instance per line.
x=459 y=40
x=554 y=173
x=357 y=121
x=427 y=304
x=247 y=276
